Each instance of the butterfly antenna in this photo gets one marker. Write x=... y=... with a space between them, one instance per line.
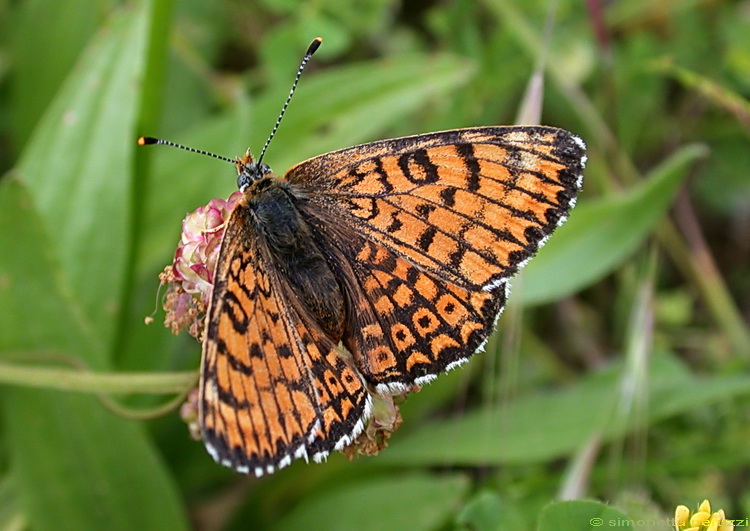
x=147 y=141
x=314 y=45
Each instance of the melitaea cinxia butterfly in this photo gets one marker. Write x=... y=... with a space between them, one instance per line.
x=364 y=272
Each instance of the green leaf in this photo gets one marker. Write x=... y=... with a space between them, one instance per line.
x=489 y=512
x=80 y=467
x=644 y=511
x=601 y=234
x=78 y=167
x=550 y=425
x=42 y=59
x=11 y=517
x=409 y=502
x=76 y=465
x=582 y=515
x=63 y=239
x=37 y=313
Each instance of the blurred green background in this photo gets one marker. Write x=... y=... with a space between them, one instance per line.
x=619 y=372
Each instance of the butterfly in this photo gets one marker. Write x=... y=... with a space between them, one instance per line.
x=367 y=271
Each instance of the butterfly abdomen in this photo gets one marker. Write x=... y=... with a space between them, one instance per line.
x=293 y=251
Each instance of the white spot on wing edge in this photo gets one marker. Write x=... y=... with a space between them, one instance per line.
x=480 y=348
x=300 y=452
x=241 y=469
x=212 y=451
x=454 y=364
x=427 y=378
x=393 y=388
x=492 y=285
x=366 y=414
x=579 y=142
x=287 y=460
x=342 y=443
x=359 y=426
x=315 y=428
x=483 y=344
x=520 y=265
x=319 y=457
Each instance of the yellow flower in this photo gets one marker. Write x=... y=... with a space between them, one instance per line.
x=701 y=520
x=681 y=515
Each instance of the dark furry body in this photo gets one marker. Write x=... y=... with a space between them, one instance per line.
x=272 y=215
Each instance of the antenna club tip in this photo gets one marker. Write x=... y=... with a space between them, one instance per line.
x=314 y=45
x=147 y=140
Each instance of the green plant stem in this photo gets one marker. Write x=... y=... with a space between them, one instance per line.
x=143 y=414
x=705 y=275
x=91 y=382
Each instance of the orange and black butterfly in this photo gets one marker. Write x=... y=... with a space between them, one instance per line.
x=367 y=270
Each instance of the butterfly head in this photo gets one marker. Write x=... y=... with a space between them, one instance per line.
x=249 y=171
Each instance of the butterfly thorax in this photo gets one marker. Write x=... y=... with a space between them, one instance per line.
x=285 y=235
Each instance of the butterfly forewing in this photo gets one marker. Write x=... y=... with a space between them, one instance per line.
x=425 y=231
x=469 y=205
x=274 y=387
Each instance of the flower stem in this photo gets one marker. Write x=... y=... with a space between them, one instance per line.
x=96 y=382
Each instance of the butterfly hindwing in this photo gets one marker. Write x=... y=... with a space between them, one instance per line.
x=404 y=325
x=274 y=386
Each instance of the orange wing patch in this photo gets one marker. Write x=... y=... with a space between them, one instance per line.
x=274 y=387
x=427 y=331
x=405 y=325
x=469 y=205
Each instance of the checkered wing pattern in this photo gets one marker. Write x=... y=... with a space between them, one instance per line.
x=274 y=387
x=425 y=232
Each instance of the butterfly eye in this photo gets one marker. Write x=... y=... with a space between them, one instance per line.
x=264 y=169
x=251 y=173
x=244 y=179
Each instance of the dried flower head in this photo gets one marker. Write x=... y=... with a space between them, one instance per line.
x=190 y=276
